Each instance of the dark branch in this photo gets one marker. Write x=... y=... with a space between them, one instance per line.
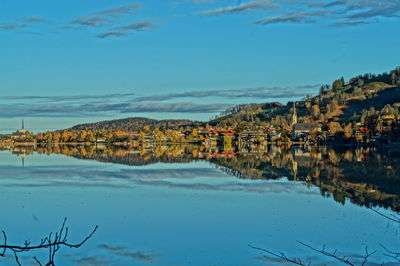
x=391 y=254
x=281 y=255
x=328 y=254
x=53 y=244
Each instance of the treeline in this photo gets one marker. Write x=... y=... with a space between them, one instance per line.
x=134 y=124
x=343 y=107
x=145 y=134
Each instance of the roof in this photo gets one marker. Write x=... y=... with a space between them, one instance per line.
x=306 y=126
x=18 y=134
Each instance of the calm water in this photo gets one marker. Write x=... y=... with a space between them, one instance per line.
x=196 y=206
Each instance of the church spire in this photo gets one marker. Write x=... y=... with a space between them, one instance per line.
x=23 y=127
x=294 y=117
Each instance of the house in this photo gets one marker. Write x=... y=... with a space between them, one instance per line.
x=302 y=128
x=305 y=128
x=19 y=134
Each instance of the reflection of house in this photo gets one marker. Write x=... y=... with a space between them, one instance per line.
x=362 y=132
x=275 y=136
x=388 y=121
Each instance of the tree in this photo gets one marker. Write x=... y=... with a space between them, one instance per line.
x=48 y=137
x=82 y=135
x=334 y=128
x=90 y=136
x=315 y=111
x=338 y=84
x=314 y=133
x=53 y=242
x=66 y=136
x=348 y=130
x=56 y=136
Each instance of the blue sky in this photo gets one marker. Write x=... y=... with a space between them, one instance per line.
x=68 y=62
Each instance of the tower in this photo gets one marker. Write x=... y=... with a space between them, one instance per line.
x=294 y=117
x=23 y=127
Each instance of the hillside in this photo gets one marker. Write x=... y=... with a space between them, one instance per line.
x=365 y=99
x=133 y=124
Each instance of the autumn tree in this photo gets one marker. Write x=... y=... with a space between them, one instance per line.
x=315 y=111
x=48 y=137
x=82 y=135
x=334 y=128
x=56 y=136
x=348 y=130
x=90 y=136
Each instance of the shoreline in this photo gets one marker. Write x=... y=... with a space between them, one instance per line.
x=8 y=144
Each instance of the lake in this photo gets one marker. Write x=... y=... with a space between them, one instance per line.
x=190 y=205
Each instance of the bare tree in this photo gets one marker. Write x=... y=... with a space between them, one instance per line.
x=331 y=254
x=53 y=242
x=334 y=254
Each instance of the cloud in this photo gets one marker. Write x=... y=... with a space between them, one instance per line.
x=92 y=260
x=113 y=16
x=90 y=21
x=294 y=17
x=120 y=31
x=12 y=26
x=250 y=93
x=145 y=25
x=85 y=110
x=111 y=34
x=249 y=6
x=351 y=23
x=337 y=13
x=35 y=19
x=120 y=10
x=325 y=4
x=87 y=105
x=101 y=173
x=309 y=86
x=32 y=33
x=192 y=2
x=182 y=107
x=123 y=251
x=141 y=256
x=196 y=2
x=112 y=248
x=63 y=98
x=182 y=178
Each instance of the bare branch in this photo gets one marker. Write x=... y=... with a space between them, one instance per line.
x=391 y=254
x=328 y=254
x=367 y=255
x=391 y=217
x=5 y=243
x=16 y=258
x=281 y=255
x=53 y=243
x=38 y=262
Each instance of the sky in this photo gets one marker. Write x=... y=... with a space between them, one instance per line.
x=69 y=62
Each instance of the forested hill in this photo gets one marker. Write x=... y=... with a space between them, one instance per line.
x=367 y=99
x=133 y=124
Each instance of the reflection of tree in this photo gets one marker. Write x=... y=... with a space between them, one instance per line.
x=365 y=176
x=334 y=254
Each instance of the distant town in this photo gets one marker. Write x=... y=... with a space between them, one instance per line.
x=363 y=111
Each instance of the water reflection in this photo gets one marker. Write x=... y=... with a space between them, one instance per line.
x=363 y=175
